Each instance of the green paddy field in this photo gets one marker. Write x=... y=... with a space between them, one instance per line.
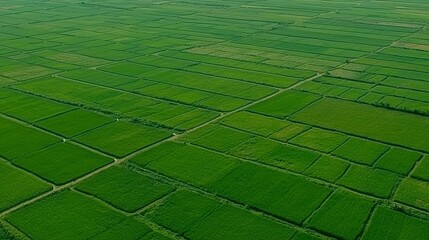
x=214 y=119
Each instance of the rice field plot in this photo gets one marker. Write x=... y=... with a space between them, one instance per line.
x=98 y=77
x=122 y=138
x=248 y=146
x=70 y=215
x=191 y=80
x=202 y=215
x=170 y=114
x=62 y=162
x=413 y=192
x=15 y=136
x=124 y=188
x=18 y=186
x=370 y=181
x=141 y=120
x=198 y=166
x=29 y=108
x=342 y=215
x=275 y=106
x=327 y=168
x=388 y=223
x=75 y=122
x=236 y=180
x=361 y=151
x=367 y=121
x=23 y=71
x=396 y=75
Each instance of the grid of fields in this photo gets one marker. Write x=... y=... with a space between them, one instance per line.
x=212 y=119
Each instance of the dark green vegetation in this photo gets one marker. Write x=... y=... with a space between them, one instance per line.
x=214 y=119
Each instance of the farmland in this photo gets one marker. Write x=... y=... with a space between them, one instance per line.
x=213 y=119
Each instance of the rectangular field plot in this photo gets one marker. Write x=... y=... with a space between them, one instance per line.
x=390 y=224
x=18 y=186
x=128 y=229
x=199 y=167
x=368 y=121
x=244 y=75
x=290 y=157
x=255 y=123
x=15 y=136
x=122 y=138
x=280 y=194
x=29 y=108
x=68 y=215
x=191 y=80
x=398 y=160
x=205 y=218
x=62 y=162
x=414 y=193
x=327 y=168
x=343 y=215
x=284 y=104
x=370 y=181
x=221 y=139
x=124 y=188
x=98 y=77
x=72 y=58
x=361 y=151
x=422 y=169
x=182 y=210
x=72 y=123
x=319 y=140
x=171 y=114
x=248 y=146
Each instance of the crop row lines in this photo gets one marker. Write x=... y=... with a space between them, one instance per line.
x=212 y=195
x=329 y=154
x=118 y=161
x=411 y=209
